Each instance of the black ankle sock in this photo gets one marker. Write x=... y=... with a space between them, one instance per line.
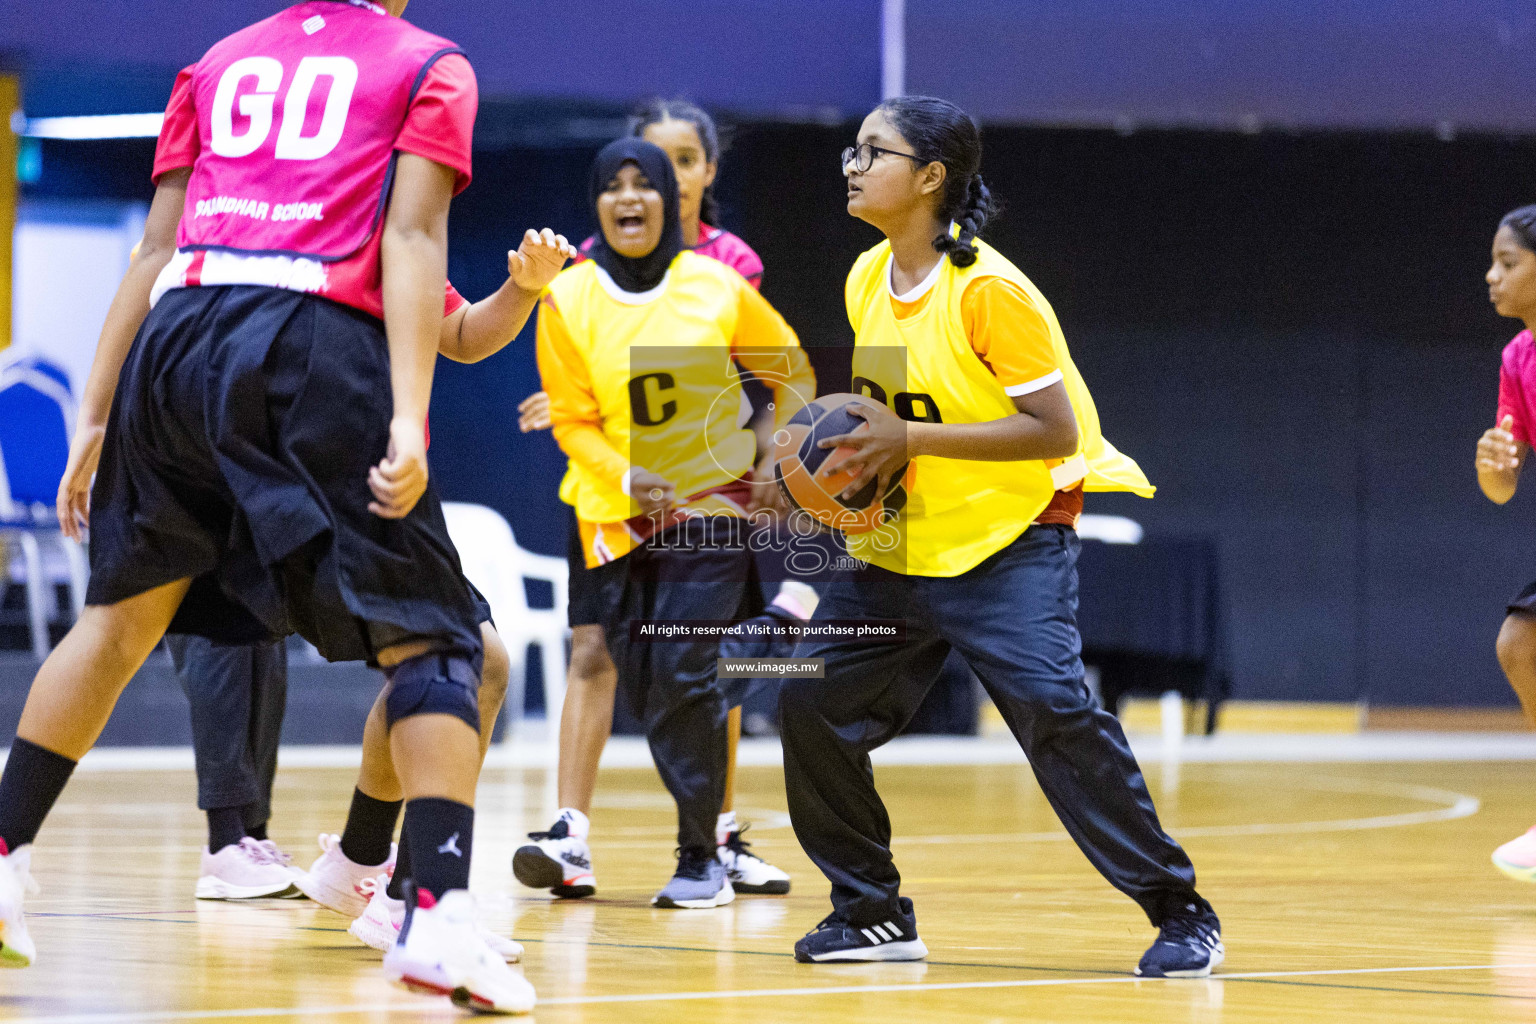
x=441 y=833
x=225 y=828
x=395 y=890
x=34 y=777
x=255 y=818
x=370 y=826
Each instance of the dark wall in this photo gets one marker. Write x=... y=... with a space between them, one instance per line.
x=1290 y=333
x=1293 y=335
x=1377 y=64
x=785 y=57
x=1380 y=64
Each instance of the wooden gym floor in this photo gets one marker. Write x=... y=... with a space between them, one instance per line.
x=1349 y=893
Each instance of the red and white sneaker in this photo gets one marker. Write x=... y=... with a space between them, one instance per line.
x=1517 y=858
x=335 y=882
x=440 y=951
x=246 y=870
x=16 y=946
x=379 y=926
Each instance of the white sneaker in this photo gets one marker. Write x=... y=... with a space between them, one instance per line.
x=279 y=857
x=379 y=926
x=440 y=951
x=16 y=946
x=335 y=882
x=557 y=861
x=748 y=872
x=246 y=870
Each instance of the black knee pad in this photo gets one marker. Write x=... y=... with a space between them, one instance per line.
x=434 y=684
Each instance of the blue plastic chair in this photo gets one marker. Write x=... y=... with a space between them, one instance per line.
x=36 y=416
x=17 y=362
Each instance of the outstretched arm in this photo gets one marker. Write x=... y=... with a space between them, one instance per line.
x=475 y=332
x=415 y=264
x=129 y=308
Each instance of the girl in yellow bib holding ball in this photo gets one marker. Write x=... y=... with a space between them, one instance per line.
x=978 y=390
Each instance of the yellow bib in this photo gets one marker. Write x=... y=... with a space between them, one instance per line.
x=662 y=374
x=960 y=512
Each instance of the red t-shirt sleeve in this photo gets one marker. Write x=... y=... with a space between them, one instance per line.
x=178 y=144
x=741 y=258
x=452 y=300
x=440 y=124
x=1512 y=393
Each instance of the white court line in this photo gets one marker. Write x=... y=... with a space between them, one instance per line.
x=751 y=993
x=534 y=752
x=1457 y=805
x=1454 y=805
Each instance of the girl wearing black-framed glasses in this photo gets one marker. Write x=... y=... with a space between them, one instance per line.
x=975 y=391
x=863 y=156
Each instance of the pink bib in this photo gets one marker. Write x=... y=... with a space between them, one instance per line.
x=297 y=121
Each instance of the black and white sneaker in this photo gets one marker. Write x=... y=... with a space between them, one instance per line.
x=747 y=871
x=557 y=861
x=836 y=940
x=1188 y=944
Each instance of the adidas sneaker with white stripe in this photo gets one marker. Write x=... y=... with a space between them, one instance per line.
x=835 y=940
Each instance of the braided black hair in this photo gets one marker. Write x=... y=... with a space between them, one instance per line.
x=654 y=111
x=1523 y=223
x=939 y=131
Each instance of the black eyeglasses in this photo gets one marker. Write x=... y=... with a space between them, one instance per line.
x=863 y=156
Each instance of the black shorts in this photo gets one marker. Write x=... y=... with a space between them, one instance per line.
x=241 y=435
x=585 y=586
x=208 y=612
x=592 y=593
x=695 y=571
x=1524 y=602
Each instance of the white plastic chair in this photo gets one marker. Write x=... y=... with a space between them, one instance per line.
x=1109 y=529
x=495 y=564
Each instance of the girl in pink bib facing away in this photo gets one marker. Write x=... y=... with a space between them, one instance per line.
x=1501 y=455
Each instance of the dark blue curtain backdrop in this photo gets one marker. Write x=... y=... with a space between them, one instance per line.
x=795 y=58
x=1420 y=64
x=1315 y=63
x=1290 y=332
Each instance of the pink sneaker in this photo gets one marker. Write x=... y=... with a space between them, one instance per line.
x=1517 y=858
x=336 y=883
x=286 y=861
x=379 y=926
x=242 y=871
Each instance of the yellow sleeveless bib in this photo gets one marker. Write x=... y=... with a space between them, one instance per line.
x=672 y=353
x=960 y=512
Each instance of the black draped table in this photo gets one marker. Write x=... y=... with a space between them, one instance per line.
x=1152 y=620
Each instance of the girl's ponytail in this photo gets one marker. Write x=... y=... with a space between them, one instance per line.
x=938 y=131
x=958 y=243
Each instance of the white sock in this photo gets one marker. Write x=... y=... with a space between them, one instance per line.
x=724 y=826
x=799 y=599
x=576 y=822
